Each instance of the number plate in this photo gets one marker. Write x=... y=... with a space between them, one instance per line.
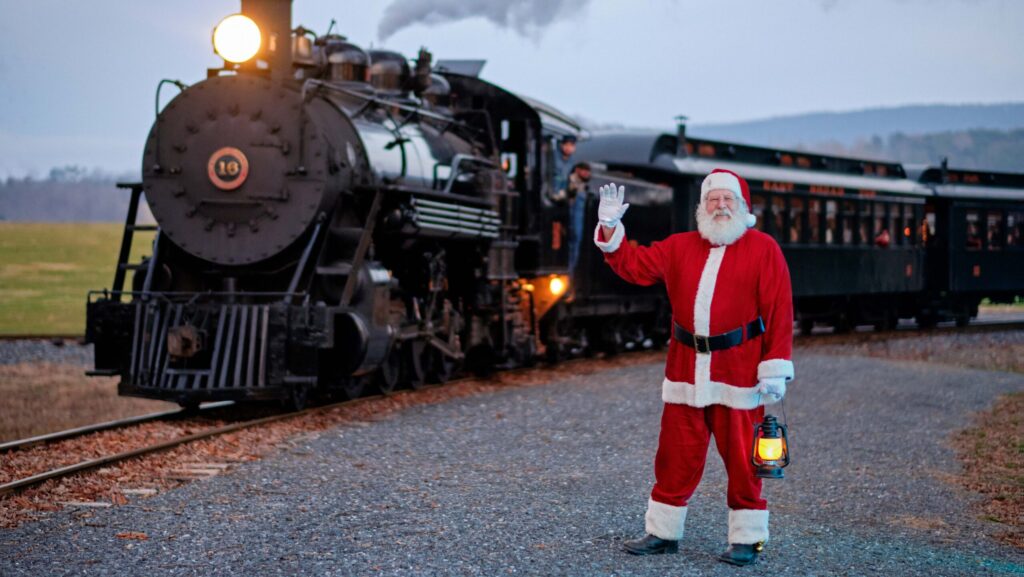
x=228 y=168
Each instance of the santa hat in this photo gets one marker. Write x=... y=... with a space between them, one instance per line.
x=722 y=179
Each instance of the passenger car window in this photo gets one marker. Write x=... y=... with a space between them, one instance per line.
x=831 y=226
x=973 y=230
x=994 y=228
x=1015 y=229
x=796 y=219
x=778 y=220
x=864 y=224
x=849 y=222
x=814 y=221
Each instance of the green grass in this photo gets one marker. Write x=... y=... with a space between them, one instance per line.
x=46 y=269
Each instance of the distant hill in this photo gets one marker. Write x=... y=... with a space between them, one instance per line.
x=976 y=136
x=975 y=149
x=847 y=128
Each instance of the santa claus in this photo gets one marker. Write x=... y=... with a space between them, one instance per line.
x=732 y=312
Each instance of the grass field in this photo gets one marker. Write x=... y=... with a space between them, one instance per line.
x=46 y=269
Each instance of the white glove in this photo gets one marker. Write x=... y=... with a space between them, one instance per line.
x=773 y=388
x=611 y=209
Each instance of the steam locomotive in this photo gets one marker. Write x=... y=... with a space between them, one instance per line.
x=332 y=219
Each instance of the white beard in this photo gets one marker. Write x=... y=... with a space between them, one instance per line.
x=722 y=232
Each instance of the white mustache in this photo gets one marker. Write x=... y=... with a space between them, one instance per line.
x=723 y=212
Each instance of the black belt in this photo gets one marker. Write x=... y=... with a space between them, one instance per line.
x=754 y=328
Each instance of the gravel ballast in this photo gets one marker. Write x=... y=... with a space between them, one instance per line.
x=549 y=480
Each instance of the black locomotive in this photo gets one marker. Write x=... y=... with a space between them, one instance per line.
x=331 y=218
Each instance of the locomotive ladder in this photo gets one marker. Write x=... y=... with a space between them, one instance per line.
x=130 y=226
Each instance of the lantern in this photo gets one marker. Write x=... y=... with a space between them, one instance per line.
x=770 y=452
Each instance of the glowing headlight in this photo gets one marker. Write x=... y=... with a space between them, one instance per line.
x=557 y=285
x=237 y=38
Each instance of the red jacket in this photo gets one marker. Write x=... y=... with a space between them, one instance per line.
x=713 y=290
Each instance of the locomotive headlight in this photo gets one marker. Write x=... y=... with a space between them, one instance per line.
x=237 y=38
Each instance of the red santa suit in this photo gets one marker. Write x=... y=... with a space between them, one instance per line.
x=713 y=290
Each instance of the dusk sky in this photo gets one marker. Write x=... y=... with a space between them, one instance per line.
x=77 y=78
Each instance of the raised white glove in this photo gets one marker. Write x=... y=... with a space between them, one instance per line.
x=611 y=208
x=773 y=388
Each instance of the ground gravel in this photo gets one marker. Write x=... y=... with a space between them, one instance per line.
x=62 y=351
x=549 y=480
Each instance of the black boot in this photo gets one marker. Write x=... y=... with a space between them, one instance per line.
x=651 y=545
x=739 y=554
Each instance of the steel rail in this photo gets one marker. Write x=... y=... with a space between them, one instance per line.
x=79 y=431
x=21 y=484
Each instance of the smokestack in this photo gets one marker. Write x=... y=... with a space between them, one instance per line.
x=274 y=17
x=681 y=133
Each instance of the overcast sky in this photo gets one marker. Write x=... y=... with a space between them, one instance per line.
x=77 y=77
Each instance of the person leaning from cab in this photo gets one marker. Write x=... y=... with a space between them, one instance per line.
x=570 y=188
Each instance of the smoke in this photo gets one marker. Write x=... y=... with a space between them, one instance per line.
x=527 y=17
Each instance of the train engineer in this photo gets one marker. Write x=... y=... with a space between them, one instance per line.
x=732 y=310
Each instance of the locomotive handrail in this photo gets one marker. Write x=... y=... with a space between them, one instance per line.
x=408 y=189
x=456 y=165
x=300 y=268
x=382 y=101
x=193 y=295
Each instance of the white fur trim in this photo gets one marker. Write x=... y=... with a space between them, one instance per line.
x=748 y=526
x=665 y=521
x=775 y=368
x=702 y=310
x=720 y=181
x=751 y=220
x=710 y=393
x=613 y=243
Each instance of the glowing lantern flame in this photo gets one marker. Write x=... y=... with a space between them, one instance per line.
x=769 y=449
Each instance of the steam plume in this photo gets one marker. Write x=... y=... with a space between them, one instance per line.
x=527 y=17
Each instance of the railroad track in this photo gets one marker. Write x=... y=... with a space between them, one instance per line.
x=109 y=425
x=909 y=329
x=24 y=483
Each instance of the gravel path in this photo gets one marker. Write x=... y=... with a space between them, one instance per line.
x=549 y=480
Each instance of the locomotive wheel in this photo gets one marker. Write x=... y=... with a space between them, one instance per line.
x=888 y=322
x=806 y=327
x=353 y=386
x=390 y=372
x=611 y=341
x=412 y=364
x=842 y=324
x=297 y=399
x=438 y=367
x=480 y=360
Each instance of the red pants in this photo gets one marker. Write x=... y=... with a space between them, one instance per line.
x=679 y=465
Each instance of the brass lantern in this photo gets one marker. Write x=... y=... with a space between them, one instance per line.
x=770 y=453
